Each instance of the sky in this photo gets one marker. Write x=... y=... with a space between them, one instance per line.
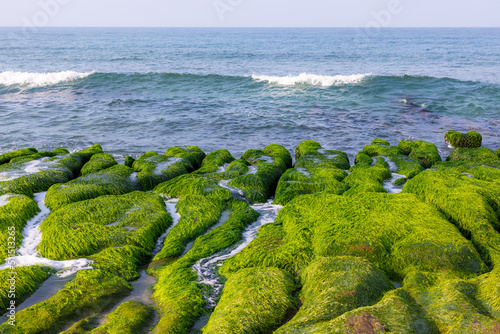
x=250 y=13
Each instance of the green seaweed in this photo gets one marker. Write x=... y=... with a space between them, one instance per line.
x=121 y=261
x=128 y=318
x=426 y=152
x=39 y=155
x=90 y=292
x=381 y=147
x=129 y=161
x=253 y=301
x=19 y=283
x=115 y=180
x=6 y=157
x=83 y=228
x=482 y=155
x=97 y=163
x=214 y=161
x=470 y=139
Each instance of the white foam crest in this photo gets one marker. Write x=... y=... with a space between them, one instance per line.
x=222 y=168
x=206 y=268
x=313 y=79
x=4 y=199
x=30 y=167
x=252 y=170
x=392 y=188
x=170 y=205
x=164 y=165
x=225 y=184
x=10 y=78
x=28 y=255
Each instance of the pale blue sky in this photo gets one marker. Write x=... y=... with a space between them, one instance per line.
x=250 y=13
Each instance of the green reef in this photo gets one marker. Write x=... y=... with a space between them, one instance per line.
x=402 y=241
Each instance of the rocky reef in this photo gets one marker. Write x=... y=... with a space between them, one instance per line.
x=400 y=241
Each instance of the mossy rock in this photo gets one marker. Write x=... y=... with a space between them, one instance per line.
x=333 y=286
x=454 y=305
x=97 y=163
x=6 y=157
x=497 y=152
x=310 y=154
x=381 y=147
x=470 y=203
x=129 y=161
x=13 y=217
x=128 y=318
x=25 y=281
x=40 y=155
x=84 y=228
x=478 y=156
x=367 y=178
x=396 y=232
x=153 y=168
x=426 y=152
x=253 y=301
x=115 y=180
x=121 y=261
x=214 y=161
x=363 y=158
x=90 y=292
x=397 y=312
x=470 y=139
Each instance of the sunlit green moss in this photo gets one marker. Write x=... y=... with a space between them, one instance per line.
x=366 y=178
x=481 y=155
x=426 y=152
x=39 y=155
x=381 y=147
x=470 y=139
x=6 y=157
x=253 y=301
x=122 y=261
x=21 y=282
x=97 y=163
x=192 y=154
x=84 y=228
x=128 y=318
x=214 y=161
x=89 y=293
x=129 y=161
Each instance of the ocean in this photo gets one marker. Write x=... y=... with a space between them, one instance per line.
x=135 y=90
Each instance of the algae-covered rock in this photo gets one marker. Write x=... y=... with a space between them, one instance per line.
x=129 y=318
x=470 y=203
x=28 y=177
x=90 y=292
x=253 y=301
x=214 y=161
x=40 y=155
x=426 y=152
x=153 y=168
x=381 y=147
x=367 y=178
x=21 y=282
x=396 y=232
x=481 y=155
x=497 y=152
x=333 y=286
x=6 y=157
x=15 y=211
x=129 y=161
x=97 y=163
x=121 y=261
x=316 y=170
x=87 y=227
x=470 y=139
x=116 y=180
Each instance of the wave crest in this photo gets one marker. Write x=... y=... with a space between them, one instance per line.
x=10 y=78
x=313 y=79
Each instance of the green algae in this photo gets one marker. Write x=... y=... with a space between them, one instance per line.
x=333 y=286
x=22 y=282
x=39 y=155
x=367 y=178
x=129 y=161
x=214 y=161
x=471 y=204
x=426 y=152
x=307 y=155
x=497 y=152
x=397 y=312
x=381 y=147
x=97 y=163
x=121 y=261
x=115 y=180
x=153 y=168
x=400 y=181
x=89 y=293
x=470 y=139
x=128 y=318
x=253 y=301
x=179 y=296
x=482 y=155
x=84 y=228
x=6 y=157
x=13 y=217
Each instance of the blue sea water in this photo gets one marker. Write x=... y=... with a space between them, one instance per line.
x=136 y=90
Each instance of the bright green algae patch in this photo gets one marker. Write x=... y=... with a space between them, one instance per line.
x=426 y=152
x=115 y=180
x=97 y=163
x=25 y=281
x=121 y=261
x=128 y=318
x=396 y=232
x=153 y=168
x=253 y=301
x=60 y=169
x=84 y=228
x=6 y=157
x=470 y=203
x=333 y=286
x=480 y=155
x=470 y=139
x=314 y=172
x=89 y=293
x=13 y=217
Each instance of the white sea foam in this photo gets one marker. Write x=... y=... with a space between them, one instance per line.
x=313 y=79
x=9 y=78
x=170 y=205
x=4 y=199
